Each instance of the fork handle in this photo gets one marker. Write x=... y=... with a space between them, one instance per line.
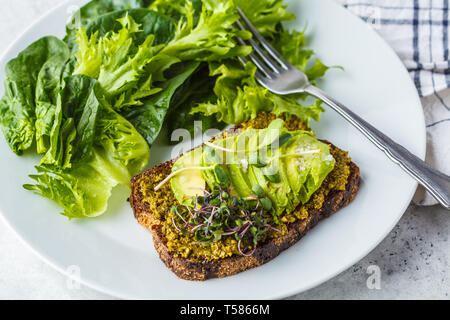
x=435 y=182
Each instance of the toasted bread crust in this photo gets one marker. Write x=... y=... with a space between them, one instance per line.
x=203 y=270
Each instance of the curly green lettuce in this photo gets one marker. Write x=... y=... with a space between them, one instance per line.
x=266 y=15
x=240 y=97
x=120 y=65
x=212 y=38
x=292 y=46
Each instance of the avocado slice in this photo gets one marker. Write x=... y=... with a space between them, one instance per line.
x=301 y=163
x=239 y=169
x=190 y=183
x=307 y=172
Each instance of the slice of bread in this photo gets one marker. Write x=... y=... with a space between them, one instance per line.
x=203 y=269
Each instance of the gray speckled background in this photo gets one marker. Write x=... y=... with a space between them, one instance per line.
x=413 y=259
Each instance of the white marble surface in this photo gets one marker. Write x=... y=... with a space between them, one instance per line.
x=413 y=259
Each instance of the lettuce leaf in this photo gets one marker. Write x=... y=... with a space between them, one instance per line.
x=118 y=153
x=236 y=101
x=266 y=15
x=92 y=150
x=241 y=98
x=117 y=141
x=125 y=70
x=212 y=38
x=197 y=89
x=238 y=96
x=292 y=45
x=82 y=191
x=149 y=118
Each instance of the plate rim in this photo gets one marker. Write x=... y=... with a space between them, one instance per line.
x=287 y=293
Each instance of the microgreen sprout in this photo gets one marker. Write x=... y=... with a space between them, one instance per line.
x=220 y=214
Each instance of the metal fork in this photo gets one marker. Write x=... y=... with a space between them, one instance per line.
x=280 y=77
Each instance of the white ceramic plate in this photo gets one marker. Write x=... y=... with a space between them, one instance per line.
x=115 y=254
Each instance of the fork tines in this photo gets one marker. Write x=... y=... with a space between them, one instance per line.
x=267 y=60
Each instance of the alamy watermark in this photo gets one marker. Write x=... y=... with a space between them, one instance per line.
x=74 y=17
x=248 y=147
x=73 y=281
x=374 y=280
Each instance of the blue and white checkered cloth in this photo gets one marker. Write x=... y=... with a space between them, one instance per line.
x=418 y=30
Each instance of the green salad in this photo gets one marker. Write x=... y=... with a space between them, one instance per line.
x=93 y=103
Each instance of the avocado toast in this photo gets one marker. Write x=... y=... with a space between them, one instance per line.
x=229 y=230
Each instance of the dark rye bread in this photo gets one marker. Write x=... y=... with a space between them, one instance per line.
x=204 y=270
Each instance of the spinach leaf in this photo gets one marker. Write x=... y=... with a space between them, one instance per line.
x=184 y=119
x=197 y=89
x=149 y=118
x=17 y=107
x=79 y=100
x=48 y=87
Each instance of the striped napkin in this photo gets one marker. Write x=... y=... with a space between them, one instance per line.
x=418 y=30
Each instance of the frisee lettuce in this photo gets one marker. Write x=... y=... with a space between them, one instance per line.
x=241 y=98
x=212 y=38
x=237 y=95
x=266 y=15
x=120 y=66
